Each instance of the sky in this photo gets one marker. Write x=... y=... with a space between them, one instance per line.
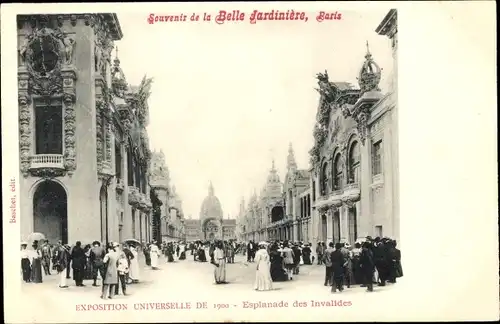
x=228 y=99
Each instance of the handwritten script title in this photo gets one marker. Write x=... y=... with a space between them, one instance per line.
x=224 y=16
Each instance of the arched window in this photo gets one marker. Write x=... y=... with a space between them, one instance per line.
x=337 y=169
x=324 y=179
x=354 y=163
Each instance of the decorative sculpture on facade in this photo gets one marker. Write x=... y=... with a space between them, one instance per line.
x=68 y=50
x=325 y=88
x=24 y=132
x=46 y=55
x=370 y=73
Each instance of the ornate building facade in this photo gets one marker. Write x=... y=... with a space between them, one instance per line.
x=355 y=183
x=352 y=189
x=84 y=148
x=277 y=213
x=170 y=225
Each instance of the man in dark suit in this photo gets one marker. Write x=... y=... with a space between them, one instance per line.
x=337 y=259
x=367 y=265
x=251 y=251
x=97 y=254
x=327 y=260
x=396 y=270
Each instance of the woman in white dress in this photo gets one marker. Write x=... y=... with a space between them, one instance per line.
x=154 y=251
x=263 y=279
x=134 y=266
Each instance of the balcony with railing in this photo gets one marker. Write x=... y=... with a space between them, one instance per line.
x=351 y=192
x=47 y=161
x=134 y=196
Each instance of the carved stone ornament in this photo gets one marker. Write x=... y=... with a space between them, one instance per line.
x=362 y=126
x=344 y=108
x=48 y=172
x=69 y=77
x=24 y=133
x=348 y=202
x=99 y=153
x=42 y=53
x=105 y=179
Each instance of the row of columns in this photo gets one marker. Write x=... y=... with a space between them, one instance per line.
x=337 y=225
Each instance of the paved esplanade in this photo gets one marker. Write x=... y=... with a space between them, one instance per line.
x=178 y=282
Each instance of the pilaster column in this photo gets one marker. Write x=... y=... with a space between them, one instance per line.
x=295 y=230
x=329 y=225
x=344 y=223
x=112 y=229
x=127 y=209
x=365 y=226
x=387 y=171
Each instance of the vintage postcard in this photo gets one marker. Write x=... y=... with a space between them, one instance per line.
x=215 y=162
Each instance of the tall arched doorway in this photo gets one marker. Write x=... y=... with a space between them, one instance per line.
x=210 y=229
x=103 y=198
x=50 y=211
x=277 y=214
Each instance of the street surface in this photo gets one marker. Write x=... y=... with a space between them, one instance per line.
x=182 y=282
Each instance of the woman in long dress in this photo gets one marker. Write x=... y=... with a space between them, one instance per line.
x=202 y=255
x=134 y=266
x=36 y=264
x=277 y=271
x=182 y=251
x=219 y=261
x=170 y=252
x=263 y=279
x=154 y=255
x=147 y=255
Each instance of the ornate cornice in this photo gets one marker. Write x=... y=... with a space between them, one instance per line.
x=109 y=19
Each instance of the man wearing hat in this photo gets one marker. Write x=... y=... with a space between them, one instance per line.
x=61 y=257
x=46 y=254
x=97 y=254
x=111 y=277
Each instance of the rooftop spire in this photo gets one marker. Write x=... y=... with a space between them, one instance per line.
x=117 y=60
x=291 y=163
x=370 y=73
x=210 y=189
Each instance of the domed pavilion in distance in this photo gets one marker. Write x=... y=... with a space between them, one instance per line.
x=211 y=224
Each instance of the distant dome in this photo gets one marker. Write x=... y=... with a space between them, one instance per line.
x=211 y=206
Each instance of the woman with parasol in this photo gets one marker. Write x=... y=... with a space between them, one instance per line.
x=36 y=256
x=36 y=263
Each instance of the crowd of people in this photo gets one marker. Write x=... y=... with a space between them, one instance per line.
x=368 y=262
x=115 y=265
